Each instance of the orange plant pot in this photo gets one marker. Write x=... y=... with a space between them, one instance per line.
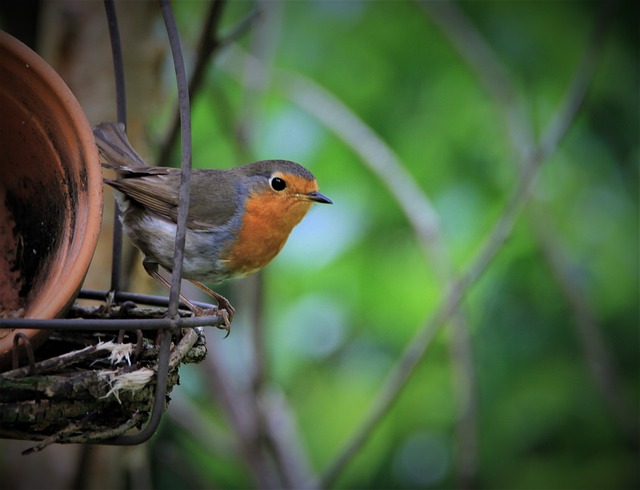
x=50 y=191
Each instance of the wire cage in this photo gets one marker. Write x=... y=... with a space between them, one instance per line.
x=106 y=369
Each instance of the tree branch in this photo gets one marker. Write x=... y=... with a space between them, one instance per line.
x=418 y=345
x=597 y=355
x=208 y=45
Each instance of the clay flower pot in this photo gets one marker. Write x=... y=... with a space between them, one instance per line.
x=50 y=191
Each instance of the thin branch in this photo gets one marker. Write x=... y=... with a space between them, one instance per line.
x=377 y=155
x=495 y=77
x=206 y=46
x=280 y=440
x=421 y=214
x=381 y=159
x=598 y=357
x=476 y=52
x=466 y=397
x=272 y=458
x=418 y=346
x=190 y=418
x=347 y=126
x=209 y=44
x=423 y=217
x=373 y=151
x=237 y=405
x=284 y=439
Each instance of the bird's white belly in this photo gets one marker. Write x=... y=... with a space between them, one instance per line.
x=156 y=238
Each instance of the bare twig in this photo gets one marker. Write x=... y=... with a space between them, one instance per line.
x=285 y=439
x=268 y=461
x=208 y=45
x=419 y=211
x=495 y=77
x=476 y=52
x=418 y=346
x=381 y=159
x=598 y=357
x=466 y=396
x=192 y=418
x=375 y=153
x=236 y=404
x=66 y=434
x=347 y=126
x=288 y=458
x=263 y=40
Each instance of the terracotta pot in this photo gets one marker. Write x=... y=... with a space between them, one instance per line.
x=50 y=191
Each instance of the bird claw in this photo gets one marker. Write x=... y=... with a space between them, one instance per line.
x=227 y=322
x=226 y=310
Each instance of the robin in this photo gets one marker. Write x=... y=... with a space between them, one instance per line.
x=238 y=219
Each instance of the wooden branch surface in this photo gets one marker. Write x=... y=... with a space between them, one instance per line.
x=86 y=387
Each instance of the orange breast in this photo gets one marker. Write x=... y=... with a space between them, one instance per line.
x=266 y=225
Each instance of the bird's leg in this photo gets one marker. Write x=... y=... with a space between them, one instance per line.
x=224 y=307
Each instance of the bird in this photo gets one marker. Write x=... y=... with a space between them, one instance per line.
x=238 y=218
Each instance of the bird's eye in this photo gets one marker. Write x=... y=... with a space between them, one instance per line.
x=277 y=183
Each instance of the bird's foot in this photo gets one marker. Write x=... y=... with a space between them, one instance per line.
x=225 y=310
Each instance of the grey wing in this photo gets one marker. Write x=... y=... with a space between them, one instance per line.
x=159 y=193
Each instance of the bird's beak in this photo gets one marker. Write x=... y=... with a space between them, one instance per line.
x=317 y=197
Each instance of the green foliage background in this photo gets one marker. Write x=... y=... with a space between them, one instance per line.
x=352 y=286
x=539 y=388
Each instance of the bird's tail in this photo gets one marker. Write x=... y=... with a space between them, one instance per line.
x=115 y=150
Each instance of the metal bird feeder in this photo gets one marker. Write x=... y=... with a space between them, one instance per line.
x=93 y=379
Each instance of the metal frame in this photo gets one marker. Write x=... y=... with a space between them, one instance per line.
x=165 y=326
